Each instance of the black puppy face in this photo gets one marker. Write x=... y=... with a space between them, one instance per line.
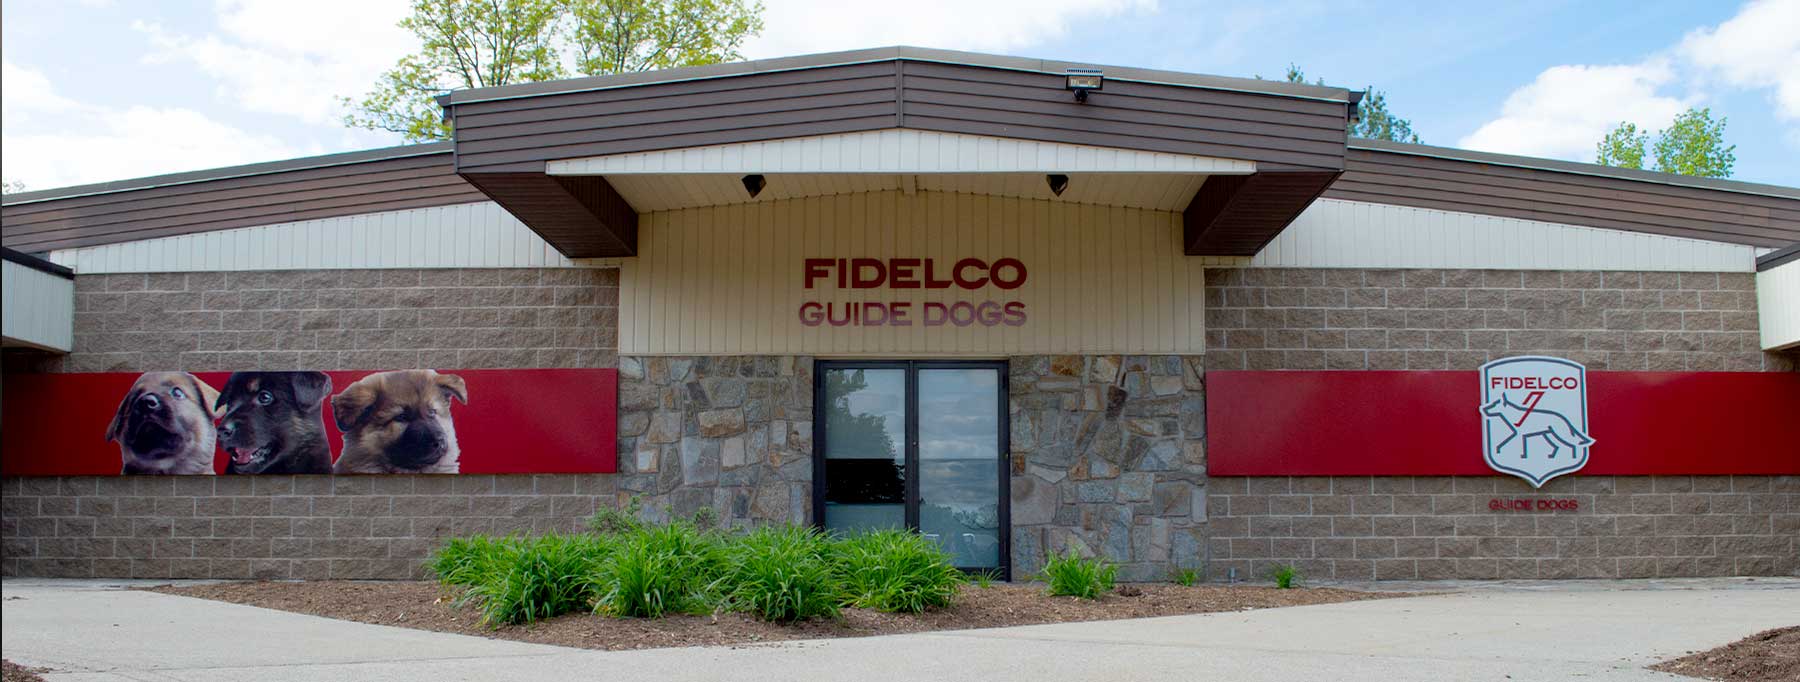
x=163 y=415
x=262 y=414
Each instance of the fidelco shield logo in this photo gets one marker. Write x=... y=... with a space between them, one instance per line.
x=1534 y=417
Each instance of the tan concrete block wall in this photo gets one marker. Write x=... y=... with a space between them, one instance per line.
x=1361 y=528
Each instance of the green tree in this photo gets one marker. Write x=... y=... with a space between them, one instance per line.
x=1623 y=147
x=463 y=44
x=1694 y=144
x=486 y=43
x=625 y=36
x=1376 y=122
x=11 y=186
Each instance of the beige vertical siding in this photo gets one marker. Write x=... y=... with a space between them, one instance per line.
x=1778 y=305
x=730 y=279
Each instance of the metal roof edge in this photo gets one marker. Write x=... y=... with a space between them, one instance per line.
x=1559 y=166
x=1778 y=257
x=228 y=172
x=895 y=53
x=39 y=264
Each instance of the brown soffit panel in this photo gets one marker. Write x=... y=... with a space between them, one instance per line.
x=581 y=216
x=1237 y=215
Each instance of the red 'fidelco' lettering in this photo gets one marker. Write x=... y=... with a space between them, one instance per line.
x=1534 y=383
x=914 y=273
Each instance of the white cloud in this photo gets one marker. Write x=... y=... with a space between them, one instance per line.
x=1759 y=48
x=795 y=27
x=112 y=143
x=1569 y=108
x=291 y=58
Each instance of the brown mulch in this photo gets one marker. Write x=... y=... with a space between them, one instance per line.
x=1767 y=656
x=423 y=605
x=13 y=672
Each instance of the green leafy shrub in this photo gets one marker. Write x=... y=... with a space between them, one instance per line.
x=1072 y=575
x=521 y=581
x=659 y=569
x=609 y=521
x=897 y=571
x=982 y=579
x=465 y=561
x=1286 y=575
x=1186 y=577
x=782 y=574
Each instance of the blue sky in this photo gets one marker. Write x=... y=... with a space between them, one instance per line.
x=98 y=90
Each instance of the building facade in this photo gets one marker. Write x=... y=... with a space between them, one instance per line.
x=918 y=288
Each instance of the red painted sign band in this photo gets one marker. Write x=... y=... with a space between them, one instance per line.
x=1398 y=423
x=506 y=421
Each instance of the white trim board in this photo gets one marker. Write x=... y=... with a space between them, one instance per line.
x=1351 y=234
x=478 y=235
x=898 y=150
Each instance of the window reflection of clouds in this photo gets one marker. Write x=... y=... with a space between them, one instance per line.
x=958 y=414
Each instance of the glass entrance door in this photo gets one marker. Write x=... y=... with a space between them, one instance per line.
x=917 y=445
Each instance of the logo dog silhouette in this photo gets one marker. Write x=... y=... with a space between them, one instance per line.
x=1528 y=423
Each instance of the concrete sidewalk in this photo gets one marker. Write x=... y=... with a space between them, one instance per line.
x=1518 y=631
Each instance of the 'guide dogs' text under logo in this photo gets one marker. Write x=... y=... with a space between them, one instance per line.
x=1534 y=417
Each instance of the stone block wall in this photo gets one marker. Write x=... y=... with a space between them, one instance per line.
x=730 y=433
x=1271 y=318
x=1109 y=459
x=1362 y=528
x=346 y=319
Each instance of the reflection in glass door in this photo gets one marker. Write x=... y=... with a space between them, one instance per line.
x=916 y=445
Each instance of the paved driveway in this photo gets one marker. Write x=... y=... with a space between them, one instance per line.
x=1534 y=631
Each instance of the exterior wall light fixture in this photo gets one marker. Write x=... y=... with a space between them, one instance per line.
x=754 y=184
x=1058 y=183
x=1082 y=81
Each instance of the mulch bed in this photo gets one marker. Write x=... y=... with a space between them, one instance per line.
x=425 y=606
x=13 y=672
x=1767 y=656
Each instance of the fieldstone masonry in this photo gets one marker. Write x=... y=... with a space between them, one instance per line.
x=730 y=433
x=1109 y=459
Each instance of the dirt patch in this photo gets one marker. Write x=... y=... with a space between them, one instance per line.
x=1768 y=656
x=13 y=672
x=425 y=606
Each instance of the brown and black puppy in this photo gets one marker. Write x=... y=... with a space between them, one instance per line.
x=399 y=423
x=274 y=423
x=165 y=425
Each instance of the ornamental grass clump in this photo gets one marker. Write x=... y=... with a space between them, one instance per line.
x=896 y=571
x=464 y=561
x=1072 y=575
x=1286 y=575
x=515 y=581
x=781 y=574
x=657 y=570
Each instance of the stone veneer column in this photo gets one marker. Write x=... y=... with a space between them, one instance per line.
x=726 y=432
x=1109 y=458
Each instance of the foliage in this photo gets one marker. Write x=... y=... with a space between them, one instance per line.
x=1286 y=575
x=1186 y=577
x=657 y=570
x=897 y=571
x=983 y=579
x=464 y=561
x=1072 y=575
x=487 y=43
x=607 y=520
x=1694 y=144
x=514 y=581
x=626 y=36
x=1375 y=121
x=782 y=574
x=11 y=186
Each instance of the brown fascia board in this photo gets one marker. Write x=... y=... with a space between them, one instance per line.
x=897 y=53
x=1237 y=215
x=265 y=168
x=580 y=216
x=1557 y=166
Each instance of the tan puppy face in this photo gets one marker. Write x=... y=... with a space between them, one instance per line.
x=165 y=424
x=400 y=419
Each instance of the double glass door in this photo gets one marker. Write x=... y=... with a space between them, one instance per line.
x=915 y=445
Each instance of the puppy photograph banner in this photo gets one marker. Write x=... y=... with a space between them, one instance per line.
x=476 y=421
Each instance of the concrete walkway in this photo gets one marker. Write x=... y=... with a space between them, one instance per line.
x=1490 y=631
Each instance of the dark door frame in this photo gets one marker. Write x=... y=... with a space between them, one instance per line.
x=1002 y=465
